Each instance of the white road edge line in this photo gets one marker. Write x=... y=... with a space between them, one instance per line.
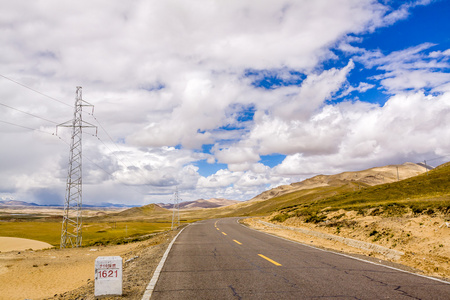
x=349 y=256
x=152 y=283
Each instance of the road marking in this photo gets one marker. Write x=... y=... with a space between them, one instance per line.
x=237 y=242
x=215 y=224
x=268 y=259
x=151 y=285
x=217 y=228
x=348 y=256
x=224 y=233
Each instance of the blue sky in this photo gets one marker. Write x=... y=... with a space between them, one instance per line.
x=219 y=99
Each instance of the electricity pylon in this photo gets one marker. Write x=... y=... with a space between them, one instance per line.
x=176 y=210
x=71 y=234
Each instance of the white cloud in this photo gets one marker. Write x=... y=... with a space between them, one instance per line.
x=440 y=54
x=235 y=155
x=362 y=87
x=407 y=126
x=320 y=133
x=221 y=179
x=409 y=69
x=167 y=73
x=315 y=89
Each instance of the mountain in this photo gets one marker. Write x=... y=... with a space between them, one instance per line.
x=201 y=203
x=17 y=203
x=14 y=203
x=430 y=191
x=370 y=177
x=321 y=187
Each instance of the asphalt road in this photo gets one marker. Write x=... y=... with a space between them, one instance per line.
x=221 y=259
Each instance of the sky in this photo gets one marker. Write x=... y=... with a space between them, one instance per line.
x=222 y=99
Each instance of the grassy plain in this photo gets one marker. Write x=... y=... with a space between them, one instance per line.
x=108 y=228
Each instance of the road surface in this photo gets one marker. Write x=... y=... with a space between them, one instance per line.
x=221 y=259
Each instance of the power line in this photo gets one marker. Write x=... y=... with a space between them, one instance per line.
x=120 y=160
x=109 y=136
x=111 y=151
x=134 y=187
x=115 y=144
x=47 y=120
x=106 y=172
x=123 y=163
x=67 y=143
x=52 y=98
x=85 y=156
x=104 y=130
x=25 y=127
x=36 y=91
x=30 y=114
x=436 y=158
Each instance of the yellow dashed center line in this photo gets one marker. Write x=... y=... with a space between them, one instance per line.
x=217 y=228
x=268 y=259
x=224 y=233
x=237 y=242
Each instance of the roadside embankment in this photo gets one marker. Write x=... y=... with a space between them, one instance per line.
x=421 y=242
x=388 y=253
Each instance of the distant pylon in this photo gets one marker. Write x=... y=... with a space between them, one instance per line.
x=176 y=210
x=71 y=234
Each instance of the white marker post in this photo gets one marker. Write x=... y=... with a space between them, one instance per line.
x=108 y=275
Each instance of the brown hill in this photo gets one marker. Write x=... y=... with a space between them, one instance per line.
x=370 y=177
x=142 y=211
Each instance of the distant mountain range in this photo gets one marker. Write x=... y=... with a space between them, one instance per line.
x=201 y=203
x=197 y=204
x=14 y=203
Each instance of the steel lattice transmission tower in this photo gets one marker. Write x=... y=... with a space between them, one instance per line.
x=176 y=210
x=71 y=233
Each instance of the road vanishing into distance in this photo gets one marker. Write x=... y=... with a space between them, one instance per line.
x=222 y=259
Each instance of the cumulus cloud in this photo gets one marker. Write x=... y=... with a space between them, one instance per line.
x=169 y=77
x=410 y=125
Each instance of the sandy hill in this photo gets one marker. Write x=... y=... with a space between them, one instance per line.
x=369 y=177
x=202 y=203
x=142 y=211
